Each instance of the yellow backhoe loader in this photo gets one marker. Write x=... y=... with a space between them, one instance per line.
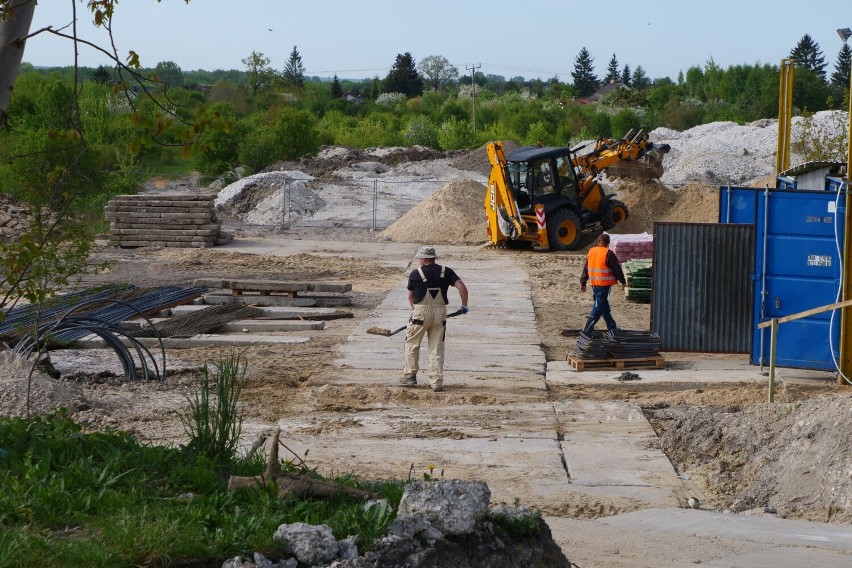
x=550 y=197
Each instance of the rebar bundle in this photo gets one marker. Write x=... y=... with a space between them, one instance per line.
x=208 y=320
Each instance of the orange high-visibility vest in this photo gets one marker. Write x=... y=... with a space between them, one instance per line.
x=599 y=272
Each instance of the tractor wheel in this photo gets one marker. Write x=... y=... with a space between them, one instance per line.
x=614 y=212
x=563 y=230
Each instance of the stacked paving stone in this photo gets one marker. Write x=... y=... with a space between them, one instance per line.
x=629 y=247
x=166 y=220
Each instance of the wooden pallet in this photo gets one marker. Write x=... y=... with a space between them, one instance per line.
x=634 y=363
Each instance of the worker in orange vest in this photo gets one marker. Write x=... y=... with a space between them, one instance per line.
x=603 y=270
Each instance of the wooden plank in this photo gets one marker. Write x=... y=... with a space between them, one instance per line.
x=633 y=363
x=806 y=313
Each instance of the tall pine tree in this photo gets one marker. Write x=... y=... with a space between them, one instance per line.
x=626 y=74
x=336 y=90
x=807 y=54
x=585 y=80
x=403 y=77
x=612 y=74
x=294 y=71
x=840 y=77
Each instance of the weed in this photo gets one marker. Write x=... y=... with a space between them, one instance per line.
x=212 y=422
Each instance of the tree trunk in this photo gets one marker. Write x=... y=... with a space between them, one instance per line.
x=15 y=27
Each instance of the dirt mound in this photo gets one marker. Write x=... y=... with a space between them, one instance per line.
x=454 y=214
x=651 y=201
x=46 y=394
x=787 y=457
x=477 y=160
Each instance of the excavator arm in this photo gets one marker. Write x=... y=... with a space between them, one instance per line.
x=635 y=147
x=504 y=217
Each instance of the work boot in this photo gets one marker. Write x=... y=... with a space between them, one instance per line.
x=438 y=388
x=408 y=380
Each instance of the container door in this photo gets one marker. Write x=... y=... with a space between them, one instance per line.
x=798 y=262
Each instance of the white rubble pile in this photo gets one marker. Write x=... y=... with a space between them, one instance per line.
x=725 y=153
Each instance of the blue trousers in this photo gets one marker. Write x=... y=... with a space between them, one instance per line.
x=600 y=308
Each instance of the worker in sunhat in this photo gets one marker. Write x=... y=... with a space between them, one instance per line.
x=427 y=296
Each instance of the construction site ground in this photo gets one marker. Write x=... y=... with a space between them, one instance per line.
x=575 y=445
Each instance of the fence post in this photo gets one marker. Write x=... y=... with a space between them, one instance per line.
x=375 y=204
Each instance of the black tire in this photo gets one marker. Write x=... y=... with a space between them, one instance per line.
x=614 y=212
x=563 y=230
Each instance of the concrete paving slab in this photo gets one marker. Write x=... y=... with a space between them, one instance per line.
x=268 y=326
x=204 y=340
x=268 y=311
x=688 y=372
x=455 y=382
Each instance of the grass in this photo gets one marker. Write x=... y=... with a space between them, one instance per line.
x=69 y=498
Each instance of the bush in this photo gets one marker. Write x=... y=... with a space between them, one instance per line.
x=421 y=131
x=455 y=135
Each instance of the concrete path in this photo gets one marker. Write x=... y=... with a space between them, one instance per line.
x=575 y=460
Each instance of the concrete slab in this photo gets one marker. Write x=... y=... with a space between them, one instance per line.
x=268 y=311
x=204 y=340
x=455 y=382
x=268 y=326
x=684 y=372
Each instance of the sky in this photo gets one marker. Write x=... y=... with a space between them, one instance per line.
x=357 y=39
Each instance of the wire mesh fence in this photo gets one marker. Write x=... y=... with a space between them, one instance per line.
x=369 y=203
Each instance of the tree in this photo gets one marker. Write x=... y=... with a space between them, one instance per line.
x=102 y=75
x=169 y=74
x=612 y=74
x=585 y=80
x=14 y=25
x=625 y=74
x=807 y=54
x=840 y=77
x=294 y=71
x=260 y=76
x=639 y=79
x=336 y=90
x=437 y=72
x=403 y=77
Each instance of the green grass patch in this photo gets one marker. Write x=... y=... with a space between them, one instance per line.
x=70 y=498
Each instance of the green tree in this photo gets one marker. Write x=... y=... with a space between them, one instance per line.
x=259 y=75
x=840 y=77
x=294 y=71
x=336 y=89
x=625 y=74
x=437 y=72
x=102 y=75
x=169 y=74
x=639 y=79
x=807 y=54
x=612 y=74
x=584 y=76
x=403 y=77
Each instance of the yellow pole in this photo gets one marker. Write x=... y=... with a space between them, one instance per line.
x=785 y=109
x=773 y=344
x=845 y=335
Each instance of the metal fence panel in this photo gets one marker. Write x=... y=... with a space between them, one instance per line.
x=702 y=294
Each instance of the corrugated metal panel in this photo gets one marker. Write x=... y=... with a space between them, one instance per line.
x=702 y=295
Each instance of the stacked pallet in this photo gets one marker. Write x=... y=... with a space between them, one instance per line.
x=637 y=273
x=618 y=348
x=630 y=247
x=166 y=220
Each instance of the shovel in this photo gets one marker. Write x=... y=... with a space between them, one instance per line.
x=388 y=332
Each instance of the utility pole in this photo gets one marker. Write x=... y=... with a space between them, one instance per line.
x=472 y=68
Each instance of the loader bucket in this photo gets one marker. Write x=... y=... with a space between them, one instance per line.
x=648 y=166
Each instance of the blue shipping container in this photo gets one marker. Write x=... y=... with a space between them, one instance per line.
x=798 y=262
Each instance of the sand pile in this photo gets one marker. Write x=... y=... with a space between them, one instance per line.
x=454 y=214
x=696 y=202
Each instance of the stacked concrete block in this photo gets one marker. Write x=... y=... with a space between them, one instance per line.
x=630 y=247
x=166 y=220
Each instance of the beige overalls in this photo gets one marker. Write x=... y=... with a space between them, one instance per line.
x=429 y=317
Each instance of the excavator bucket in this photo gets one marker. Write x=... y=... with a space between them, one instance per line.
x=647 y=166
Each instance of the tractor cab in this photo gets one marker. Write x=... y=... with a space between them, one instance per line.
x=541 y=175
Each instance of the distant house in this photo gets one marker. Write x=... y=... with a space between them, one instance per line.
x=606 y=89
x=352 y=98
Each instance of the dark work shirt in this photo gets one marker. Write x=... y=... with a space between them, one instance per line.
x=433 y=280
